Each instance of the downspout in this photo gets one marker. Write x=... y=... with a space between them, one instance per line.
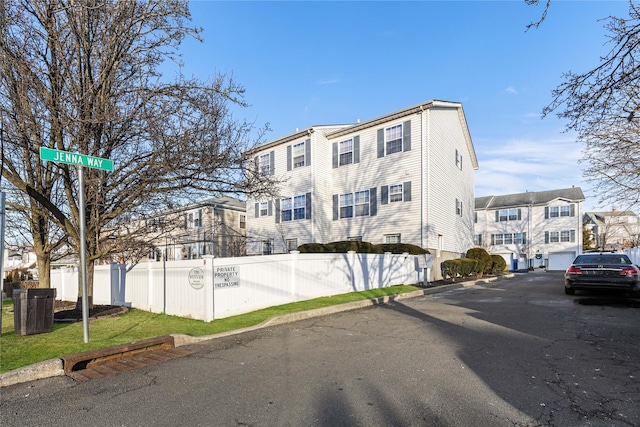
x=422 y=181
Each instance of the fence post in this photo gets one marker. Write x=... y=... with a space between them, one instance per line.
x=293 y=277
x=209 y=288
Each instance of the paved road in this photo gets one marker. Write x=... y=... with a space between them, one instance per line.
x=516 y=352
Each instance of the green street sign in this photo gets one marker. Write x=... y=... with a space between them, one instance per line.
x=60 y=156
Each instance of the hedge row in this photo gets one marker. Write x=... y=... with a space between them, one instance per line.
x=361 y=247
x=477 y=263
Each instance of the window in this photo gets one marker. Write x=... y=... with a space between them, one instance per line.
x=362 y=203
x=194 y=219
x=458 y=160
x=299 y=207
x=354 y=203
x=286 y=208
x=243 y=221
x=508 y=239
x=508 y=215
x=264 y=208
x=267 y=247
x=292 y=244
x=392 y=238
x=346 y=205
x=298 y=154
x=477 y=240
x=560 y=236
x=264 y=164
x=346 y=152
x=560 y=211
x=395 y=193
x=355 y=238
x=458 y=207
x=393 y=139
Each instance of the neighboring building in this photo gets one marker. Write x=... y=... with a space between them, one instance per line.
x=611 y=231
x=214 y=226
x=407 y=176
x=531 y=229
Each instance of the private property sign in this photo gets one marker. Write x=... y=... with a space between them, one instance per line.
x=75 y=159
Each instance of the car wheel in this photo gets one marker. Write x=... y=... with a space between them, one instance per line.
x=569 y=291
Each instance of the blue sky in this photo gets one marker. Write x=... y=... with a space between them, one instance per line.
x=306 y=63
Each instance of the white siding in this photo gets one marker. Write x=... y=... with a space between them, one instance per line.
x=445 y=183
x=429 y=166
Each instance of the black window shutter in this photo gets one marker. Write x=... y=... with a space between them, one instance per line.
x=546 y=237
x=308 y=207
x=334 y=149
x=406 y=188
x=573 y=235
x=546 y=214
x=277 y=211
x=307 y=152
x=269 y=208
x=289 y=157
x=380 y=143
x=257 y=160
x=257 y=210
x=406 y=136
x=336 y=207
x=356 y=149
x=524 y=238
x=497 y=216
x=384 y=194
x=493 y=239
x=573 y=211
x=373 y=201
x=519 y=213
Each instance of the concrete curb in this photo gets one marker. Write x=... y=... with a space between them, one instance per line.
x=54 y=367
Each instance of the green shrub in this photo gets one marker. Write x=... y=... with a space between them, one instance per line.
x=468 y=266
x=499 y=265
x=311 y=248
x=399 y=248
x=451 y=268
x=485 y=263
x=361 y=247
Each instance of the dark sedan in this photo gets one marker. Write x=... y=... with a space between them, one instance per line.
x=603 y=271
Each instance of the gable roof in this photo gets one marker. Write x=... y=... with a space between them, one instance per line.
x=348 y=128
x=534 y=198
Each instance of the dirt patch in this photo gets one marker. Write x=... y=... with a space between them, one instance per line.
x=65 y=311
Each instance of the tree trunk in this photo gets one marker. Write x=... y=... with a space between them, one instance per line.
x=44 y=270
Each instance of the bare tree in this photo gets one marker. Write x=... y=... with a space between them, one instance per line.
x=84 y=77
x=601 y=106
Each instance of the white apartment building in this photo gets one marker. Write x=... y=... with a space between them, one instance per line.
x=407 y=176
x=531 y=229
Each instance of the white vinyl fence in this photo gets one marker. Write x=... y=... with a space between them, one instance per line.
x=633 y=254
x=214 y=288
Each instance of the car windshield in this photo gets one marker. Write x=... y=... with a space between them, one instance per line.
x=602 y=259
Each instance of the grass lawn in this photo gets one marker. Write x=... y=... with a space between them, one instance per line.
x=17 y=351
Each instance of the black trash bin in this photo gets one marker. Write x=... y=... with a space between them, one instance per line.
x=33 y=310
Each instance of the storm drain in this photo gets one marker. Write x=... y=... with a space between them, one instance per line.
x=125 y=363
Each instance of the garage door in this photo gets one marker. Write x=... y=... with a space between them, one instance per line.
x=560 y=260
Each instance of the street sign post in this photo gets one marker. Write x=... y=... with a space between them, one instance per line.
x=81 y=161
